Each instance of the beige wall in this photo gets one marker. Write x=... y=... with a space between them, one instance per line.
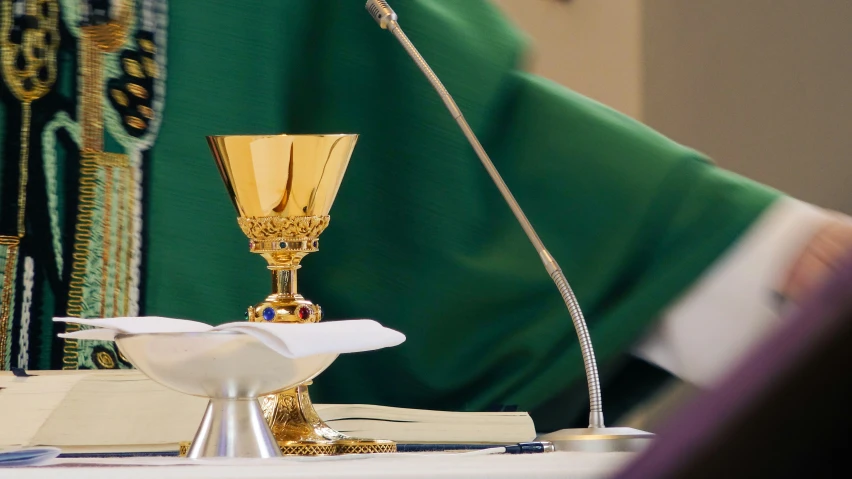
x=764 y=86
x=592 y=46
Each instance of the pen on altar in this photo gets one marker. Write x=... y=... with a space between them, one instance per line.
x=519 y=448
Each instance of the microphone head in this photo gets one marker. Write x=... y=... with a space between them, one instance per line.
x=381 y=12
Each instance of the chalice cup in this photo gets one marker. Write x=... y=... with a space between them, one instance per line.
x=283 y=187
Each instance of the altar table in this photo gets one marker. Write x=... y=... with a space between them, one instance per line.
x=568 y=465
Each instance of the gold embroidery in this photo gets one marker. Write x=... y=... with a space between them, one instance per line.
x=137 y=90
x=110 y=36
x=148 y=46
x=131 y=204
x=119 y=97
x=145 y=111
x=106 y=242
x=6 y=300
x=135 y=122
x=94 y=40
x=92 y=67
x=82 y=234
x=92 y=143
x=133 y=68
x=104 y=360
x=150 y=67
x=25 y=84
x=111 y=159
x=117 y=286
x=24 y=172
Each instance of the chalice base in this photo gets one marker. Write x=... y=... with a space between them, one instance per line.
x=300 y=431
x=287 y=420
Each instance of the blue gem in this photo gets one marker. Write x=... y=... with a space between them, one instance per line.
x=316 y=243
x=268 y=314
x=282 y=245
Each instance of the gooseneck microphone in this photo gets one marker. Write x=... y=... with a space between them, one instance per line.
x=566 y=439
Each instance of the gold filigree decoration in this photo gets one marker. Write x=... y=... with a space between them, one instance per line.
x=317 y=424
x=307 y=449
x=283 y=415
x=365 y=447
x=283 y=227
x=292 y=418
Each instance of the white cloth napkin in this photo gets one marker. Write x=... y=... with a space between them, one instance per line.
x=292 y=340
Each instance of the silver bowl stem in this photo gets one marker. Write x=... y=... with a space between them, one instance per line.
x=246 y=431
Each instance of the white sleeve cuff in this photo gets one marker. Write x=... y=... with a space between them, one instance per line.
x=732 y=306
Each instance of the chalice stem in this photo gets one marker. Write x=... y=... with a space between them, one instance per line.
x=284 y=281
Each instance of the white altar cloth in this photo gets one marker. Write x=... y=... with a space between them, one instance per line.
x=569 y=465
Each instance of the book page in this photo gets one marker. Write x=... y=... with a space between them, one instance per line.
x=119 y=408
x=425 y=426
x=332 y=412
x=26 y=403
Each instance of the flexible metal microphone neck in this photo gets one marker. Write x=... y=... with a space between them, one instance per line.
x=387 y=19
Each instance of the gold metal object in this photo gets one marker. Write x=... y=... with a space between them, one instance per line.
x=283 y=187
x=301 y=432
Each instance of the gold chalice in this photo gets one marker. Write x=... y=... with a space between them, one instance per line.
x=283 y=187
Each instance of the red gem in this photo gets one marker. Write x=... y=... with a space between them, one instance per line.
x=304 y=313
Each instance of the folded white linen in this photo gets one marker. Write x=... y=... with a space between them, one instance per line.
x=291 y=340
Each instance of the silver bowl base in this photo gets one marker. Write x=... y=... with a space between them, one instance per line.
x=233 y=428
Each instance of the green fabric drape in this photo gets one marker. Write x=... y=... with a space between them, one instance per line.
x=420 y=239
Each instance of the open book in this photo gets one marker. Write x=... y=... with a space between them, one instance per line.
x=123 y=411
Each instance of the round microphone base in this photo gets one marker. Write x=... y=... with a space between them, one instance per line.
x=604 y=439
